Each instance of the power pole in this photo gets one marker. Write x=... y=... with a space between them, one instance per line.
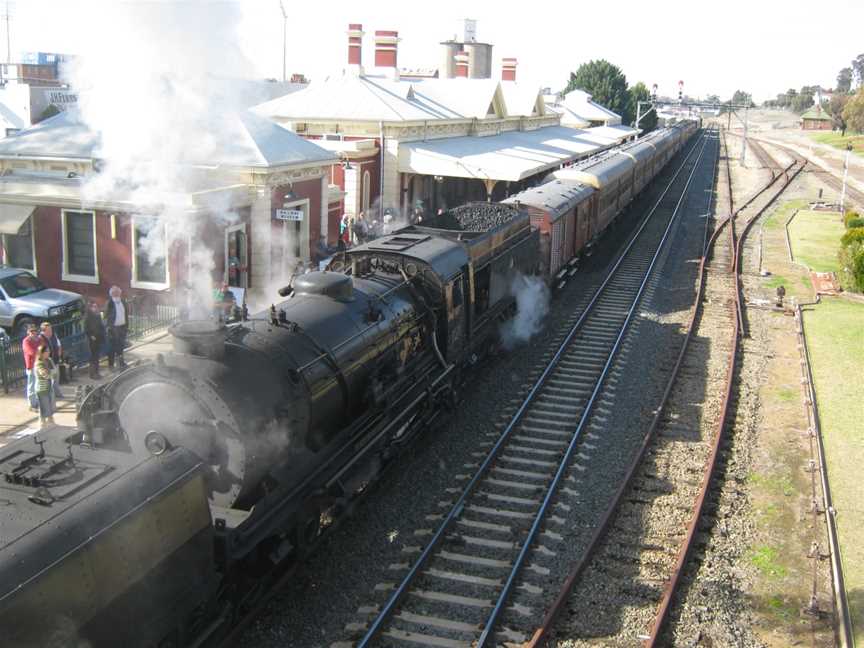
x=845 y=174
x=284 y=39
x=8 y=34
x=744 y=140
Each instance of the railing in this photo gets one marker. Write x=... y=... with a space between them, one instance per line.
x=75 y=347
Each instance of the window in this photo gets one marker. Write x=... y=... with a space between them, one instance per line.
x=367 y=188
x=18 y=248
x=79 y=247
x=149 y=254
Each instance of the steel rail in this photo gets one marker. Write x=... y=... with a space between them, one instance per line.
x=586 y=414
x=687 y=544
x=389 y=607
x=542 y=632
x=844 y=626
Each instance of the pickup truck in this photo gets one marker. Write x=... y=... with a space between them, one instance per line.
x=25 y=300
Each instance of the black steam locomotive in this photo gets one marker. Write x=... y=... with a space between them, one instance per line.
x=191 y=480
x=189 y=476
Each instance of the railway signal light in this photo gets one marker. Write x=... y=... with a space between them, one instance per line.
x=680 y=92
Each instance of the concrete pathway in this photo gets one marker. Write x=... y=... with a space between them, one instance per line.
x=16 y=418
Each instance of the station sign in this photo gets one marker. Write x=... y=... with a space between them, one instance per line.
x=295 y=215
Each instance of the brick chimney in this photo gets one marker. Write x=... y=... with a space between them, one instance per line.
x=461 y=59
x=386 y=44
x=508 y=69
x=355 y=48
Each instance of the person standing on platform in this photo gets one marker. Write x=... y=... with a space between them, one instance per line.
x=95 y=331
x=30 y=346
x=55 y=348
x=117 y=323
x=45 y=370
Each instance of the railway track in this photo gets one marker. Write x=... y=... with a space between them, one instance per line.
x=481 y=575
x=639 y=553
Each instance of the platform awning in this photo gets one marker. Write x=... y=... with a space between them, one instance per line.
x=510 y=156
x=12 y=217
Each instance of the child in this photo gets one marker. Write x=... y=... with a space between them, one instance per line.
x=44 y=385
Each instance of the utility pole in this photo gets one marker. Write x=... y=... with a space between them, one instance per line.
x=845 y=174
x=8 y=34
x=744 y=140
x=284 y=39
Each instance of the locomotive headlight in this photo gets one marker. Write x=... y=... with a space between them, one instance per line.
x=155 y=443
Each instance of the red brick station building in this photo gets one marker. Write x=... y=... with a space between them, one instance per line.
x=48 y=225
x=358 y=141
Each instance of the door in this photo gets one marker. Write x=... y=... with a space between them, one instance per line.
x=456 y=317
x=237 y=257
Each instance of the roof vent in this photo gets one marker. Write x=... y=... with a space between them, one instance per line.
x=329 y=284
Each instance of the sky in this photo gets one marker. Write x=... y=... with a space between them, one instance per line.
x=763 y=47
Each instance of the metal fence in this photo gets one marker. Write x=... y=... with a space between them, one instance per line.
x=75 y=345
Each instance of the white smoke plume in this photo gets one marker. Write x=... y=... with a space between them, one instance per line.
x=532 y=306
x=155 y=81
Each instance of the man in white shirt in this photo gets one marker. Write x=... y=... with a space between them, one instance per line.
x=116 y=323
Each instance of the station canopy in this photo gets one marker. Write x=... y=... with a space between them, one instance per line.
x=510 y=156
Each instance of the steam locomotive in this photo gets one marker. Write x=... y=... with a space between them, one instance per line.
x=189 y=480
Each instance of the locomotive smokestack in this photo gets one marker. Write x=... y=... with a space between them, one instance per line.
x=203 y=338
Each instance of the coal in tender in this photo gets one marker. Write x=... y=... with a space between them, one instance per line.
x=474 y=217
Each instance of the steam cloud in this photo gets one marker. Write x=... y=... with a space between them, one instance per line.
x=532 y=306
x=155 y=83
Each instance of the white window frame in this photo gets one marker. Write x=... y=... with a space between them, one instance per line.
x=148 y=285
x=5 y=259
x=66 y=275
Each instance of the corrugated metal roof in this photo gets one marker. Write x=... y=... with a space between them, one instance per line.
x=249 y=140
x=816 y=113
x=509 y=156
x=521 y=99
x=577 y=109
x=375 y=98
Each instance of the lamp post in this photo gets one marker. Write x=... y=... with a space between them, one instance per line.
x=845 y=174
x=284 y=39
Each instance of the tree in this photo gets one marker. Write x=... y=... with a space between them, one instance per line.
x=49 y=112
x=639 y=92
x=712 y=98
x=853 y=113
x=835 y=108
x=858 y=69
x=606 y=84
x=844 y=80
x=741 y=98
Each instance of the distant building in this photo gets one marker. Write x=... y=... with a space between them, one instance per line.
x=32 y=90
x=816 y=119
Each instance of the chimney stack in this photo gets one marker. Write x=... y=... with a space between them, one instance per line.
x=461 y=59
x=355 y=48
x=386 y=43
x=508 y=69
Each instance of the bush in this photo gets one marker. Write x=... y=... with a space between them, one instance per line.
x=854 y=235
x=850 y=216
x=853 y=223
x=851 y=259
